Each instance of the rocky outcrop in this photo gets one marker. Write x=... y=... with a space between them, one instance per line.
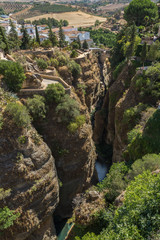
x=27 y=171
x=74 y=157
x=91 y=79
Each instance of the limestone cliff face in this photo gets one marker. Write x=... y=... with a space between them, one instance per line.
x=74 y=156
x=93 y=77
x=27 y=170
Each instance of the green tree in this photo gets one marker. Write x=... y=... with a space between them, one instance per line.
x=13 y=36
x=79 y=42
x=61 y=37
x=37 y=35
x=85 y=45
x=13 y=75
x=131 y=47
x=42 y=64
x=4 y=40
x=19 y=114
x=97 y=23
x=144 y=53
x=36 y=107
x=67 y=109
x=54 y=92
x=25 y=38
x=65 y=23
x=138 y=10
x=46 y=43
x=52 y=37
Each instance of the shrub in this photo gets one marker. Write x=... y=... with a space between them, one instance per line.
x=149 y=162
x=54 y=92
x=68 y=109
x=146 y=141
x=80 y=120
x=133 y=114
x=36 y=107
x=114 y=182
x=74 y=54
x=118 y=70
x=7 y=217
x=19 y=114
x=42 y=64
x=82 y=87
x=54 y=62
x=72 y=127
x=74 y=68
x=13 y=75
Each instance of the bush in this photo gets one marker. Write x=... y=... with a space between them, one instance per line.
x=74 y=68
x=19 y=114
x=36 y=107
x=13 y=75
x=46 y=43
x=74 y=54
x=42 y=64
x=54 y=92
x=68 y=109
x=149 y=162
x=79 y=121
x=146 y=141
x=7 y=217
x=133 y=114
x=118 y=70
x=72 y=127
x=54 y=62
x=114 y=182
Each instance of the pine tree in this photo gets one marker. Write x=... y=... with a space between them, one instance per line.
x=25 y=38
x=61 y=37
x=4 y=40
x=85 y=45
x=13 y=36
x=52 y=37
x=37 y=35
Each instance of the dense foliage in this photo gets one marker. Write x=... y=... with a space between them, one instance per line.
x=7 y=217
x=142 y=12
x=101 y=36
x=52 y=22
x=67 y=109
x=139 y=216
x=13 y=75
x=36 y=107
x=19 y=114
x=42 y=64
x=54 y=92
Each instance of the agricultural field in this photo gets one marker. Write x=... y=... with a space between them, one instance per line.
x=76 y=19
x=12 y=7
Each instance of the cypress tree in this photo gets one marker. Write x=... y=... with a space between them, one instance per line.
x=61 y=37
x=25 y=38
x=37 y=35
x=13 y=36
x=4 y=40
x=52 y=37
x=85 y=45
